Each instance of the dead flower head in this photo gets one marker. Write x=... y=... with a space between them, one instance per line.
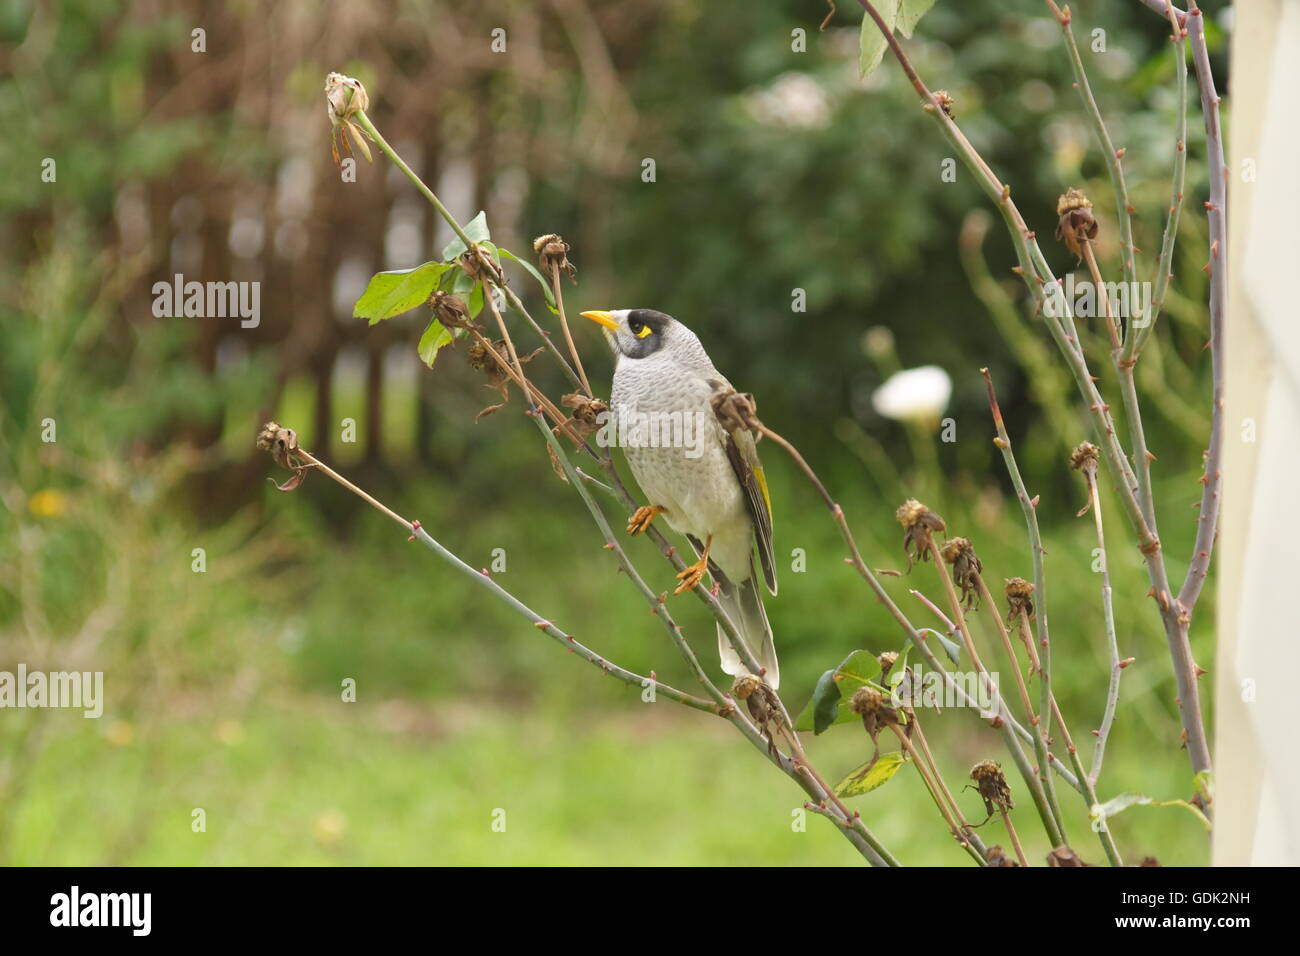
x=1020 y=598
x=345 y=97
x=966 y=568
x=282 y=443
x=992 y=786
x=1084 y=454
x=1063 y=856
x=553 y=255
x=996 y=856
x=762 y=704
x=587 y=412
x=919 y=524
x=451 y=310
x=873 y=707
x=887 y=661
x=478 y=264
x=481 y=358
x=1077 y=224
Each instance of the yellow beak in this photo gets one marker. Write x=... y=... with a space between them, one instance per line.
x=603 y=318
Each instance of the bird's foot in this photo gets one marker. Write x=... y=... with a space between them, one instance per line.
x=640 y=521
x=691 y=575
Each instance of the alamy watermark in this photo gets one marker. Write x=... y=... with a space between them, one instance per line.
x=626 y=427
x=78 y=690
x=929 y=688
x=1083 y=299
x=209 y=300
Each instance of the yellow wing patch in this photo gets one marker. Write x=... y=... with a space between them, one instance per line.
x=762 y=486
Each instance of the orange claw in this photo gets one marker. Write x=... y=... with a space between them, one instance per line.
x=692 y=574
x=642 y=517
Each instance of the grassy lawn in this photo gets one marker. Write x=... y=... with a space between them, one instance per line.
x=312 y=782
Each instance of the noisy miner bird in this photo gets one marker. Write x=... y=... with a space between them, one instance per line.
x=707 y=483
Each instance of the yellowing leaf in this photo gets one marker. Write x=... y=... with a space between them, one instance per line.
x=870 y=776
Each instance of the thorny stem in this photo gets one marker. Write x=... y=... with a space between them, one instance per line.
x=1036 y=274
x=1041 y=741
x=924 y=750
x=1165 y=264
x=968 y=701
x=564 y=324
x=486 y=581
x=1050 y=814
x=958 y=833
x=1015 y=838
x=1217 y=266
x=1112 y=156
x=1089 y=794
x=510 y=344
x=363 y=121
x=1004 y=722
x=1116 y=666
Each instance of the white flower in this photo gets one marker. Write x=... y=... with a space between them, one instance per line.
x=793 y=100
x=914 y=395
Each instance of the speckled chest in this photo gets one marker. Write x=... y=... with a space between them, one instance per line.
x=677 y=453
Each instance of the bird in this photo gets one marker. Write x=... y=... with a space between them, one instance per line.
x=708 y=483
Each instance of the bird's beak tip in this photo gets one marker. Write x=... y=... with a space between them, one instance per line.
x=602 y=318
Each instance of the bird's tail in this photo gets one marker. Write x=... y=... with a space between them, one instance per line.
x=744 y=605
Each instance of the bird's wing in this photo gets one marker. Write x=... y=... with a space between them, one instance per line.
x=743 y=455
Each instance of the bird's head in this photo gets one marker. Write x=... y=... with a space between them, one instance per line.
x=638 y=333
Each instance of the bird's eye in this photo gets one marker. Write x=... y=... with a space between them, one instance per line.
x=639 y=328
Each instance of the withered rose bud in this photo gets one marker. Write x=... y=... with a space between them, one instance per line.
x=991 y=785
x=553 y=255
x=586 y=411
x=1084 y=453
x=1077 y=224
x=451 y=310
x=282 y=443
x=496 y=368
x=1064 y=856
x=996 y=856
x=1020 y=594
x=887 y=661
x=478 y=264
x=919 y=524
x=866 y=700
x=345 y=97
x=266 y=437
x=762 y=704
x=966 y=568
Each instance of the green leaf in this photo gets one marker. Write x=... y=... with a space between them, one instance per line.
x=532 y=271
x=475 y=301
x=392 y=293
x=825 y=702
x=857 y=670
x=871 y=41
x=1103 y=811
x=951 y=648
x=910 y=14
x=434 y=338
x=476 y=229
x=870 y=776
